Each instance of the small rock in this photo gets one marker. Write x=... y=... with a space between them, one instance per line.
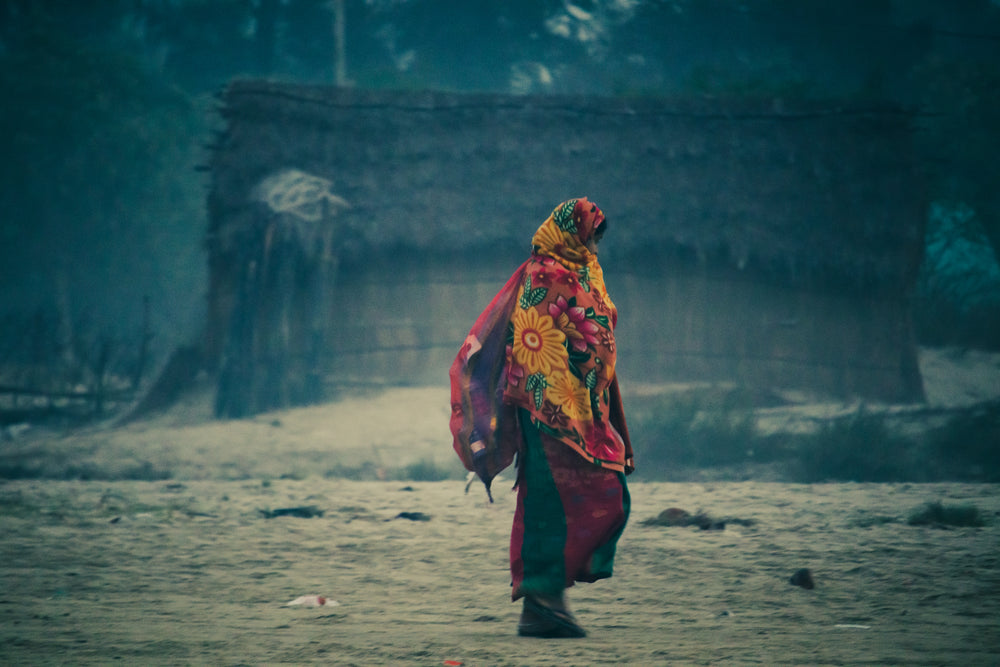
x=802 y=578
x=672 y=516
x=675 y=516
x=305 y=512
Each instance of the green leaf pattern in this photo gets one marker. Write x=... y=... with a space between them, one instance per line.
x=600 y=319
x=564 y=217
x=536 y=384
x=531 y=297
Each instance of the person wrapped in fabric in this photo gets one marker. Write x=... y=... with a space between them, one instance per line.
x=536 y=379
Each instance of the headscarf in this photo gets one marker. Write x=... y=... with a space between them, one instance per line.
x=545 y=344
x=561 y=359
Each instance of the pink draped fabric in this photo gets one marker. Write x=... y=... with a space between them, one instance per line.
x=485 y=429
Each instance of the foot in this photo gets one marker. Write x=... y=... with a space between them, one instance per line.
x=548 y=617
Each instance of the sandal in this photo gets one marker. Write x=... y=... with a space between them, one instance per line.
x=546 y=622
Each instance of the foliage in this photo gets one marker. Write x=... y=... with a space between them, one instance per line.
x=52 y=380
x=958 y=289
x=69 y=470
x=101 y=199
x=961 y=100
x=967 y=446
x=707 y=434
x=695 y=430
x=866 y=447
x=426 y=470
x=857 y=448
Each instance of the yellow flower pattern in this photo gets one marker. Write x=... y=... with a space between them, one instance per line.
x=538 y=344
x=567 y=392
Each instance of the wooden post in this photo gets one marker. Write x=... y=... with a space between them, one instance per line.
x=271 y=349
x=327 y=263
x=234 y=394
x=339 y=41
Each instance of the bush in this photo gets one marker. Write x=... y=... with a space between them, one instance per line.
x=703 y=430
x=682 y=437
x=425 y=470
x=858 y=448
x=967 y=446
x=958 y=288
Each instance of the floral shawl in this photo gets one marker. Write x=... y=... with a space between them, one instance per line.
x=546 y=344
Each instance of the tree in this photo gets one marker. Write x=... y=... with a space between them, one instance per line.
x=961 y=135
x=101 y=201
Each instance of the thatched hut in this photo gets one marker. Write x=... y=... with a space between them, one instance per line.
x=355 y=235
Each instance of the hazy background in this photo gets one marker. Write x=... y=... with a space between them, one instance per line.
x=109 y=107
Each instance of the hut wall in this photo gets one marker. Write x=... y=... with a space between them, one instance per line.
x=674 y=326
x=800 y=228
x=405 y=327
x=713 y=327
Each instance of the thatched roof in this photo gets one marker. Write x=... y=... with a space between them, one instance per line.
x=820 y=192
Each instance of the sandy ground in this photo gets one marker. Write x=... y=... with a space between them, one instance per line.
x=192 y=573
x=377 y=434
x=188 y=570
